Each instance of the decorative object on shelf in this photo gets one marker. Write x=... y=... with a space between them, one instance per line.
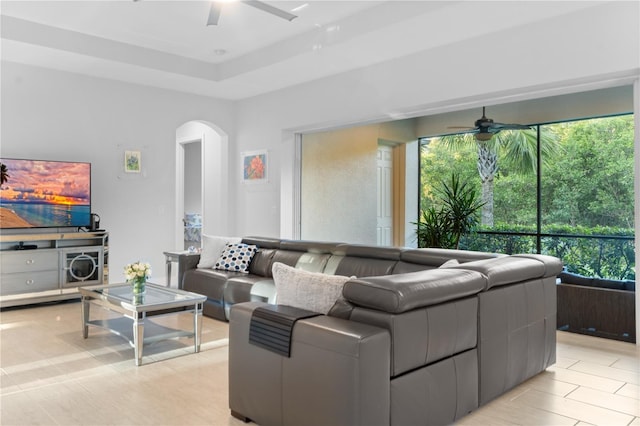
x=132 y=161
x=254 y=166
x=137 y=275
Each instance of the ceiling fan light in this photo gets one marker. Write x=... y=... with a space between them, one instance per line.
x=484 y=136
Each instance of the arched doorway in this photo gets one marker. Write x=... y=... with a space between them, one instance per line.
x=213 y=179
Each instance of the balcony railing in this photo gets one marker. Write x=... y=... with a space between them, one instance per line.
x=603 y=256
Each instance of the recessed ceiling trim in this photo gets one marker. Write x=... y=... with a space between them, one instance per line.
x=87 y=45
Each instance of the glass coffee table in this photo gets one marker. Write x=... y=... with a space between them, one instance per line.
x=136 y=311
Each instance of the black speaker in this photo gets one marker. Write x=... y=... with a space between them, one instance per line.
x=95 y=222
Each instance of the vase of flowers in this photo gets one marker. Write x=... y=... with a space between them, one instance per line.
x=137 y=275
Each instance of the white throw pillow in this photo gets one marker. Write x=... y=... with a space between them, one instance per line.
x=212 y=248
x=313 y=291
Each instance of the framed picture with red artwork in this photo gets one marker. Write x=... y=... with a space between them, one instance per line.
x=254 y=166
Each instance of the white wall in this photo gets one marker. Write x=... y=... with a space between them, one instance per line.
x=60 y=116
x=566 y=54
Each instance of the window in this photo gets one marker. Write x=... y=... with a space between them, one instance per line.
x=563 y=189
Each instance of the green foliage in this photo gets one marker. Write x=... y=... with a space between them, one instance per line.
x=592 y=184
x=437 y=160
x=456 y=215
x=513 y=201
x=499 y=243
x=601 y=256
x=434 y=229
x=586 y=189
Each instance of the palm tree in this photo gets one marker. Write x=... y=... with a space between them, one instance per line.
x=4 y=174
x=517 y=148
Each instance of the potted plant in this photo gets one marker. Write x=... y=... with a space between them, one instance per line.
x=457 y=215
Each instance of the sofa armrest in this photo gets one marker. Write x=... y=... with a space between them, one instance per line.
x=188 y=262
x=338 y=373
x=185 y=263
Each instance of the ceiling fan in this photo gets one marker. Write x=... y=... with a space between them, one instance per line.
x=485 y=127
x=216 y=9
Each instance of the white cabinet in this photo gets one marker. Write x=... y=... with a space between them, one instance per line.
x=26 y=271
x=42 y=267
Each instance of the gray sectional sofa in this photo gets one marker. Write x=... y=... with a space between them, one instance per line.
x=411 y=342
x=225 y=288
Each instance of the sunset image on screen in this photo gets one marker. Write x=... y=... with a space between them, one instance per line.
x=45 y=193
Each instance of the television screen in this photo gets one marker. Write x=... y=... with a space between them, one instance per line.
x=43 y=194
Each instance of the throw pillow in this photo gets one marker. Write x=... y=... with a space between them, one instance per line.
x=448 y=263
x=212 y=247
x=236 y=257
x=313 y=291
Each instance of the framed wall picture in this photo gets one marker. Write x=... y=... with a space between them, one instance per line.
x=132 y=160
x=254 y=166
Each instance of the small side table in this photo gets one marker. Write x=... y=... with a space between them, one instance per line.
x=178 y=257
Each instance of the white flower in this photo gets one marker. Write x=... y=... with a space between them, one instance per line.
x=137 y=270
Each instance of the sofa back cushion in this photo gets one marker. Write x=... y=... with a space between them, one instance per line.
x=287 y=257
x=261 y=262
x=363 y=267
x=313 y=262
x=264 y=242
x=309 y=246
x=332 y=264
x=403 y=267
x=365 y=261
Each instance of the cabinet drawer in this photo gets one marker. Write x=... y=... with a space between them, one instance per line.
x=28 y=260
x=28 y=282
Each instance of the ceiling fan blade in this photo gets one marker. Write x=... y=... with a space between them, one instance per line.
x=214 y=13
x=270 y=9
x=503 y=126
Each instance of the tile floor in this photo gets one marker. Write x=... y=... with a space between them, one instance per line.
x=50 y=375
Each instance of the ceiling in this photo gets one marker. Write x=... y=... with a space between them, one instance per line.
x=167 y=44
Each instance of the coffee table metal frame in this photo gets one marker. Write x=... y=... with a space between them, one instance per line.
x=135 y=310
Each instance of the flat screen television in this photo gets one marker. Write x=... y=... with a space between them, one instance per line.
x=44 y=194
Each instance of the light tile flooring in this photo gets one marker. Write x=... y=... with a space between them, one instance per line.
x=50 y=375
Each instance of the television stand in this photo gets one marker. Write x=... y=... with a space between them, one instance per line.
x=42 y=267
